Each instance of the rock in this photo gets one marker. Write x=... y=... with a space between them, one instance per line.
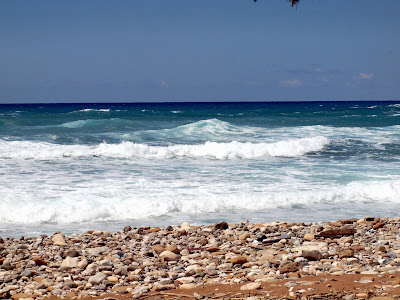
x=251 y=286
x=308 y=237
x=346 y=253
x=382 y=298
x=238 y=260
x=105 y=262
x=339 y=231
x=381 y=248
x=71 y=284
x=163 y=287
x=244 y=236
x=366 y=279
x=1 y=240
x=28 y=273
x=203 y=241
x=185 y=226
x=213 y=249
x=83 y=263
x=112 y=279
x=312 y=255
x=338 y=273
x=168 y=256
x=58 y=239
x=186 y=280
x=7 y=265
x=158 y=248
x=378 y=225
x=39 y=261
x=97 y=279
x=290 y=267
x=362 y=295
x=173 y=248
x=71 y=253
x=69 y=263
x=127 y=229
x=155 y=229
x=309 y=246
x=222 y=225
x=21 y=295
x=187 y=286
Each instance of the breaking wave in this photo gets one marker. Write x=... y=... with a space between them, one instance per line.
x=108 y=203
x=211 y=150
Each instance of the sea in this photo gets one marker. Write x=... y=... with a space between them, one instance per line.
x=102 y=166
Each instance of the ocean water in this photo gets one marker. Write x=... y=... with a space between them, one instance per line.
x=74 y=167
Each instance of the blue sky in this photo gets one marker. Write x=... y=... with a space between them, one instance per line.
x=219 y=50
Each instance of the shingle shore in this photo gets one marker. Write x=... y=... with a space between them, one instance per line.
x=137 y=261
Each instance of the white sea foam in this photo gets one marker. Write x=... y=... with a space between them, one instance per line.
x=211 y=150
x=92 y=109
x=74 y=124
x=110 y=201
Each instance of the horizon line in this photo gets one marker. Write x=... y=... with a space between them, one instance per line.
x=180 y=102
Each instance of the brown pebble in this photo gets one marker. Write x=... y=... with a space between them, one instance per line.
x=290 y=267
x=39 y=261
x=378 y=225
x=346 y=253
x=238 y=260
x=380 y=248
x=155 y=229
x=222 y=225
x=158 y=248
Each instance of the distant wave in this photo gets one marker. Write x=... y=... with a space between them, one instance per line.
x=205 y=127
x=91 y=109
x=210 y=150
x=74 y=124
x=115 y=122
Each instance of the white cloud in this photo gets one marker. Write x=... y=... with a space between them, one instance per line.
x=324 y=79
x=359 y=79
x=290 y=83
x=368 y=76
x=163 y=83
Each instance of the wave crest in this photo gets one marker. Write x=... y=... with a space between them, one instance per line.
x=210 y=150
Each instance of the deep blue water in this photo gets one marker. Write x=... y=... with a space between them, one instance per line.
x=76 y=166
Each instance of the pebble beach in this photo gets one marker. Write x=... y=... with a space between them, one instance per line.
x=346 y=259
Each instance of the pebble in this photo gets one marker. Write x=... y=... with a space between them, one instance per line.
x=251 y=286
x=238 y=260
x=69 y=263
x=187 y=286
x=168 y=256
x=97 y=279
x=58 y=240
x=137 y=260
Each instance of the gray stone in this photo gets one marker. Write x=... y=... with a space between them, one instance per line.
x=97 y=279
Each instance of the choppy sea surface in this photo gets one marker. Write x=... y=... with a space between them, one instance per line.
x=74 y=167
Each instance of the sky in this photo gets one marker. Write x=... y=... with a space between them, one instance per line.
x=204 y=50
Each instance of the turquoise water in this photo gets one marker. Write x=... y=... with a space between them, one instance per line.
x=73 y=167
